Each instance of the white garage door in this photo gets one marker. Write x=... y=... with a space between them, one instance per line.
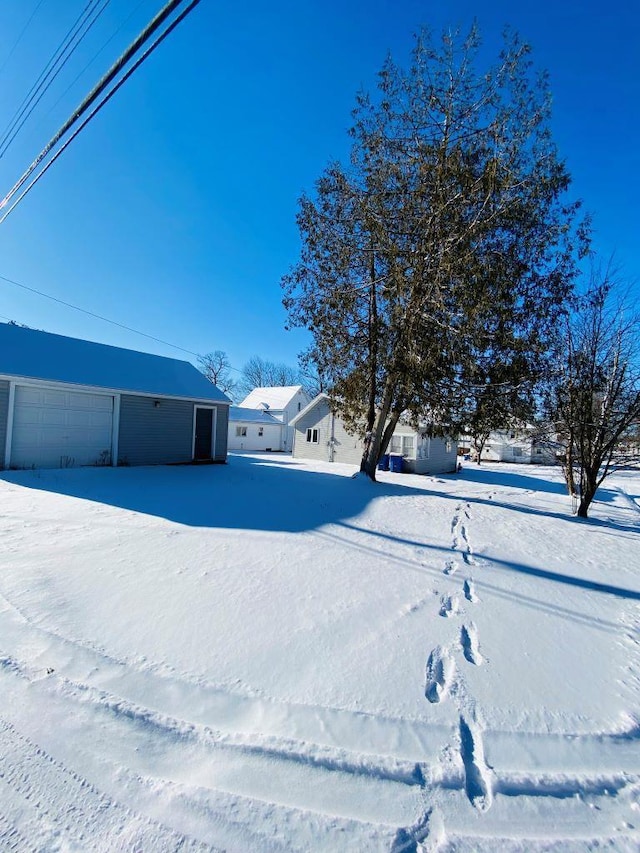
x=60 y=429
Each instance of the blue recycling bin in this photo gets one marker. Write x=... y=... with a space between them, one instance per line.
x=383 y=464
x=395 y=463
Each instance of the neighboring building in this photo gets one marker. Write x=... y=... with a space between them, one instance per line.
x=66 y=402
x=282 y=402
x=320 y=434
x=513 y=445
x=254 y=429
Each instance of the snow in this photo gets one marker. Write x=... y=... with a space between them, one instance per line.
x=272 y=397
x=280 y=655
x=258 y=416
x=32 y=354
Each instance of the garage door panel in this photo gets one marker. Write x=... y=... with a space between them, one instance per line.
x=53 y=428
x=53 y=417
x=51 y=398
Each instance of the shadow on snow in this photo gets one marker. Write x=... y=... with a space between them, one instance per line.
x=280 y=495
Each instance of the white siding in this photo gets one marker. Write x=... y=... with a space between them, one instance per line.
x=270 y=439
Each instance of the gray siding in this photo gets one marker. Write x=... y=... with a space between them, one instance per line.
x=439 y=461
x=151 y=435
x=222 y=433
x=4 y=412
x=319 y=417
x=346 y=448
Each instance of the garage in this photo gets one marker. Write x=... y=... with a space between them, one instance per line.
x=55 y=428
x=67 y=403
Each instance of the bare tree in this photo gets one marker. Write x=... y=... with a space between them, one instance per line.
x=260 y=373
x=217 y=368
x=596 y=390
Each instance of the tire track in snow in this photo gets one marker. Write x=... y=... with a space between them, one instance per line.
x=65 y=803
x=371 y=789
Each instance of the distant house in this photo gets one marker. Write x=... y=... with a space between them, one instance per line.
x=254 y=429
x=516 y=445
x=321 y=434
x=66 y=402
x=283 y=403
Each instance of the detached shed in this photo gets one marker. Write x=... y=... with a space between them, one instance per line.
x=67 y=402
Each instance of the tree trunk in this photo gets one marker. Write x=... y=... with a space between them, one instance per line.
x=588 y=489
x=371 y=455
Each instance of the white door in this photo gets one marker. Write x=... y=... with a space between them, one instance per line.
x=60 y=429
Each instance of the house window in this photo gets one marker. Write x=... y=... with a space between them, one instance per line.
x=260 y=431
x=447 y=447
x=403 y=444
x=312 y=436
x=299 y=406
x=241 y=432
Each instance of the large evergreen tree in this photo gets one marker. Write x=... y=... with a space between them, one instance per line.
x=444 y=245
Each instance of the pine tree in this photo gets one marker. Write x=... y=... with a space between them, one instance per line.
x=447 y=240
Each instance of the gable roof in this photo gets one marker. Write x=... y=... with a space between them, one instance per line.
x=308 y=408
x=259 y=416
x=31 y=354
x=271 y=397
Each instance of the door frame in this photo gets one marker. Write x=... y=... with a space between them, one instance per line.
x=214 y=430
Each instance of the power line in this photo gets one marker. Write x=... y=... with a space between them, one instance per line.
x=19 y=39
x=42 y=76
x=52 y=69
x=96 y=55
x=97 y=91
x=96 y=316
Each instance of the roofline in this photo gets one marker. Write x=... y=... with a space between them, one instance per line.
x=308 y=408
x=101 y=389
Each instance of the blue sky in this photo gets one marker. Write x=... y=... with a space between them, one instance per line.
x=174 y=211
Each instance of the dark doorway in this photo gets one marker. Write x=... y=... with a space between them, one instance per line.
x=203 y=443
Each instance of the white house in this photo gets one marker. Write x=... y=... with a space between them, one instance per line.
x=282 y=403
x=515 y=445
x=321 y=434
x=254 y=429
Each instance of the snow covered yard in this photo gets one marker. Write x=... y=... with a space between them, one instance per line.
x=273 y=655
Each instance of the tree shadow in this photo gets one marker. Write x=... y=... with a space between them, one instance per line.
x=520 y=568
x=517 y=480
x=248 y=493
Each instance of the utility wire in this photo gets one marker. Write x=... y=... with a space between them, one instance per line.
x=95 y=93
x=95 y=56
x=96 y=316
x=100 y=317
x=51 y=62
x=96 y=110
x=43 y=85
x=19 y=39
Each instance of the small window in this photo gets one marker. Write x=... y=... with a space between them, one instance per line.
x=408 y=446
x=260 y=431
x=312 y=436
x=241 y=432
x=299 y=406
x=447 y=447
x=395 y=445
